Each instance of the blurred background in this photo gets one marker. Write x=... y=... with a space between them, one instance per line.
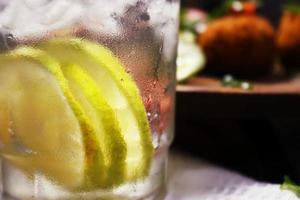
x=238 y=99
x=270 y=8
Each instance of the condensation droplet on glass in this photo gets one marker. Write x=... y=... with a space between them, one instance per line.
x=128 y=71
x=7 y=40
x=156 y=140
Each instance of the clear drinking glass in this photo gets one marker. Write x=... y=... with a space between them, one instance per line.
x=86 y=97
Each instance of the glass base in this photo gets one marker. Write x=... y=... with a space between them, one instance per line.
x=17 y=186
x=157 y=195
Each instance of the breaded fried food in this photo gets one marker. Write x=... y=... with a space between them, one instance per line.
x=288 y=39
x=241 y=45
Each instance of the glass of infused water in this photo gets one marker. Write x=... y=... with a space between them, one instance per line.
x=86 y=98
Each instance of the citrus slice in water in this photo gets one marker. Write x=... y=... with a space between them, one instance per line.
x=102 y=116
x=31 y=99
x=106 y=74
x=48 y=131
x=190 y=59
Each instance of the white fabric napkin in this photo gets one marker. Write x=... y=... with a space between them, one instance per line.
x=191 y=179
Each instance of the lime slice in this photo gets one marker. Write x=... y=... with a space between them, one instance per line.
x=119 y=91
x=190 y=59
x=86 y=91
x=34 y=93
x=35 y=133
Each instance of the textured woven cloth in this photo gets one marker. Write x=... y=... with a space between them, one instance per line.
x=191 y=179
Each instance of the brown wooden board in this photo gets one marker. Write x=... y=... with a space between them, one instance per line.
x=207 y=97
x=208 y=84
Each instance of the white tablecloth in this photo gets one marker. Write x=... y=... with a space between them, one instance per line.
x=192 y=179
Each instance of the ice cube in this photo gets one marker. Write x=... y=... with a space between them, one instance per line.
x=135 y=16
x=105 y=18
x=164 y=15
x=31 y=18
x=37 y=17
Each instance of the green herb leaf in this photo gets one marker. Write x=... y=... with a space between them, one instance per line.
x=187 y=24
x=221 y=11
x=291 y=186
x=293 y=7
x=230 y=81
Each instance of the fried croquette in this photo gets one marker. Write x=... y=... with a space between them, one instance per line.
x=288 y=39
x=241 y=45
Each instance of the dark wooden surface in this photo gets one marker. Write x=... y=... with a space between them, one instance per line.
x=205 y=96
x=208 y=84
x=256 y=132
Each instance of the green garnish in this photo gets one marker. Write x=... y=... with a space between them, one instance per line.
x=291 y=186
x=187 y=24
x=230 y=81
x=293 y=7
x=221 y=11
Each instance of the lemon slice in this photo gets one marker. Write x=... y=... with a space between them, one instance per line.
x=90 y=96
x=35 y=133
x=119 y=91
x=49 y=132
x=190 y=59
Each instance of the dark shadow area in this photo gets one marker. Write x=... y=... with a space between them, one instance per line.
x=265 y=147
